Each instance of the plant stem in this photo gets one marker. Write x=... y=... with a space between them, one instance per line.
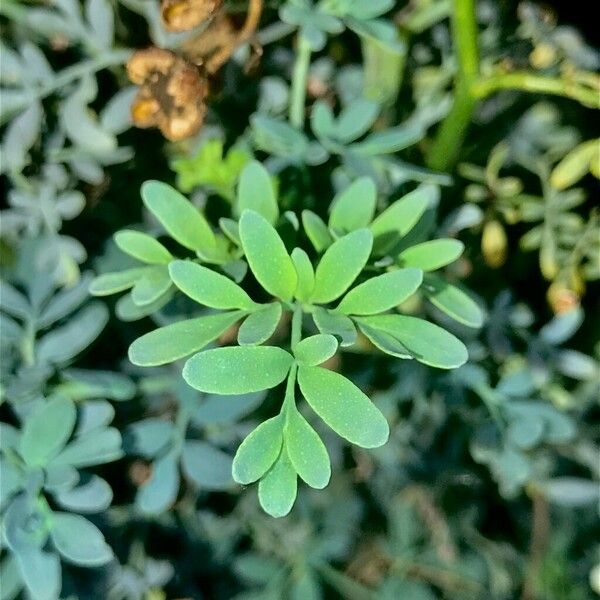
x=452 y=131
x=296 y=325
x=299 y=79
x=530 y=82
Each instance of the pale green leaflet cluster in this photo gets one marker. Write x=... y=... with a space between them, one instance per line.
x=333 y=300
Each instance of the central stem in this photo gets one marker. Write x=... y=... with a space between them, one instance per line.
x=299 y=78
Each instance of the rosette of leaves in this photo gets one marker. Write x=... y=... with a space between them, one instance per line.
x=286 y=446
x=172 y=447
x=42 y=460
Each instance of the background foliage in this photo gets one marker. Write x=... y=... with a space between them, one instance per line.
x=402 y=123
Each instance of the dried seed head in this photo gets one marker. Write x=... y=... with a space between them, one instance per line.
x=183 y=15
x=172 y=93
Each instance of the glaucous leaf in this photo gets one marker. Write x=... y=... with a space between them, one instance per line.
x=175 y=341
x=93 y=496
x=306 y=451
x=452 y=301
x=344 y=407
x=257 y=453
x=431 y=255
x=381 y=293
x=341 y=265
x=207 y=466
x=256 y=192
x=41 y=573
x=213 y=410
x=355 y=120
x=180 y=218
x=425 y=341
x=160 y=491
x=208 y=287
x=79 y=541
x=94 y=448
x=314 y=350
x=260 y=325
x=142 y=246
x=267 y=256
x=47 y=430
x=278 y=488
x=354 y=207
x=235 y=370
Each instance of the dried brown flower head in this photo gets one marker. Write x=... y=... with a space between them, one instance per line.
x=172 y=93
x=183 y=15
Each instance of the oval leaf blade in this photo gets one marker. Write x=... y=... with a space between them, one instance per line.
x=431 y=255
x=267 y=256
x=341 y=265
x=142 y=246
x=316 y=349
x=381 y=293
x=277 y=489
x=180 y=218
x=425 y=341
x=237 y=369
x=208 y=287
x=344 y=407
x=172 y=342
x=306 y=451
x=259 y=326
x=256 y=192
x=258 y=451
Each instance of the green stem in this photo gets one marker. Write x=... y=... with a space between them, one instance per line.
x=290 y=399
x=296 y=325
x=451 y=133
x=530 y=82
x=299 y=80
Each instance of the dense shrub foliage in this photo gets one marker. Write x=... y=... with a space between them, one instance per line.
x=346 y=251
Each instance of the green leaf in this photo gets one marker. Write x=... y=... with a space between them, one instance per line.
x=47 y=430
x=381 y=293
x=256 y=192
x=425 y=341
x=400 y=217
x=354 y=207
x=267 y=256
x=143 y=247
x=208 y=467
x=345 y=408
x=260 y=325
x=277 y=489
x=41 y=573
x=94 y=448
x=127 y=310
x=258 y=451
x=153 y=284
x=64 y=343
x=390 y=140
x=65 y=302
x=237 y=369
x=431 y=255
x=316 y=349
x=180 y=218
x=316 y=230
x=208 y=287
x=93 y=496
x=13 y=302
x=306 y=451
x=305 y=273
x=385 y=342
x=355 y=120
x=175 y=341
x=453 y=301
x=336 y=324
x=79 y=541
x=341 y=265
